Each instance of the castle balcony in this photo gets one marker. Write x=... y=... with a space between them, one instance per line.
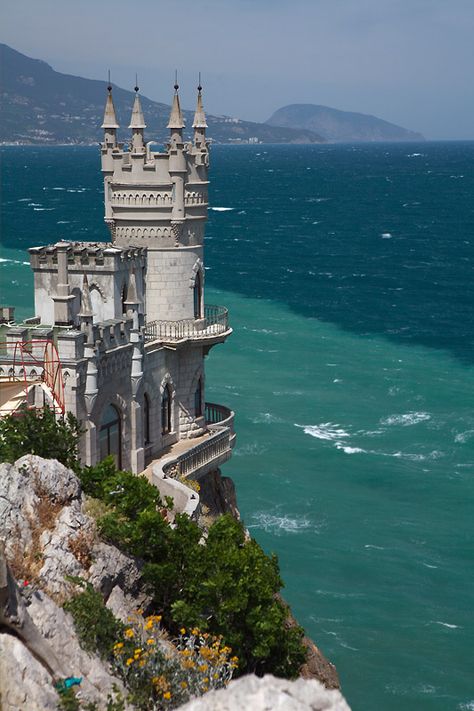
x=193 y=458
x=213 y=328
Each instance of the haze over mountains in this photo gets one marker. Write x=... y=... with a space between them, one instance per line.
x=42 y=106
x=340 y=126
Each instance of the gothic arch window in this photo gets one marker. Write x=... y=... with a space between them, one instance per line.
x=197 y=293
x=166 y=403
x=198 y=399
x=146 y=419
x=110 y=435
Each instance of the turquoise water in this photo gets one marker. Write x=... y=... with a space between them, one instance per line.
x=348 y=272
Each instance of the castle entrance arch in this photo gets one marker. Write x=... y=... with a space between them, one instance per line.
x=110 y=435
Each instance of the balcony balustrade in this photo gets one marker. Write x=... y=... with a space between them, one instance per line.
x=214 y=323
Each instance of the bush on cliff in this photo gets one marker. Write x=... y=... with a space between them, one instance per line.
x=31 y=431
x=226 y=586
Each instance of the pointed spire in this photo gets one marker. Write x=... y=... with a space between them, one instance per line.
x=110 y=120
x=199 y=116
x=176 y=117
x=86 y=303
x=137 y=119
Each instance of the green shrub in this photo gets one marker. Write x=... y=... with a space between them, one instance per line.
x=96 y=626
x=40 y=432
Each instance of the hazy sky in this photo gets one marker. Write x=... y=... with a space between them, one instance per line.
x=407 y=61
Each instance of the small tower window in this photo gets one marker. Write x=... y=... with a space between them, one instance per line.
x=124 y=299
x=146 y=419
x=198 y=399
x=166 y=410
x=197 y=296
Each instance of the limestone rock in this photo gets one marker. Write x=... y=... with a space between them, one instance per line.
x=217 y=494
x=270 y=694
x=24 y=682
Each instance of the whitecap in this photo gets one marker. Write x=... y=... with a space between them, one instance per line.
x=252 y=448
x=377 y=548
x=62 y=222
x=325 y=430
x=277 y=524
x=386 y=235
x=24 y=199
x=464 y=436
x=221 y=209
x=428 y=565
x=350 y=450
x=446 y=624
x=407 y=419
x=34 y=204
x=467 y=706
x=43 y=209
x=265 y=418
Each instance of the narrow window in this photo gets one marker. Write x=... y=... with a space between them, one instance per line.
x=197 y=296
x=110 y=436
x=166 y=410
x=146 y=419
x=124 y=298
x=198 y=399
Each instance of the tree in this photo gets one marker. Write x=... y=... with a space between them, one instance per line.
x=31 y=431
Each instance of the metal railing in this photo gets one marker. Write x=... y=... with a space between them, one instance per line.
x=215 y=322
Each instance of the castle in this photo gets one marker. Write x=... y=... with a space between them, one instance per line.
x=128 y=319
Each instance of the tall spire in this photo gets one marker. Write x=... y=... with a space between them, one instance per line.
x=199 y=116
x=176 y=121
x=110 y=120
x=137 y=119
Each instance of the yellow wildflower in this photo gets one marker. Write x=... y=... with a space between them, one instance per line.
x=183 y=630
x=184 y=684
x=149 y=624
x=129 y=661
x=150 y=641
x=129 y=633
x=167 y=695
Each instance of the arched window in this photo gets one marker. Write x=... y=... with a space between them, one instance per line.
x=146 y=419
x=110 y=435
x=197 y=295
x=198 y=399
x=166 y=410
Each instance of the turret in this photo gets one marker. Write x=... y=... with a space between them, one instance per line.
x=177 y=163
x=110 y=124
x=137 y=124
x=199 y=123
x=85 y=315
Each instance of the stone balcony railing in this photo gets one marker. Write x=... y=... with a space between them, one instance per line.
x=218 y=416
x=215 y=323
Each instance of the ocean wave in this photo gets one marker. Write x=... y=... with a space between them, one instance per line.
x=407 y=419
x=265 y=418
x=326 y=430
x=386 y=235
x=252 y=448
x=43 y=209
x=445 y=624
x=466 y=706
x=221 y=209
x=372 y=545
x=13 y=261
x=338 y=595
x=350 y=450
x=272 y=523
x=464 y=436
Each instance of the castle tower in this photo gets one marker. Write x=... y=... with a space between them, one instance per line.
x=159 y=201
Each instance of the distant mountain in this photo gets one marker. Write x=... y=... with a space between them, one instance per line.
x=340 y=126
x=40 y=105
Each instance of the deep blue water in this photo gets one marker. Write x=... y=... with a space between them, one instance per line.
x=348 y=271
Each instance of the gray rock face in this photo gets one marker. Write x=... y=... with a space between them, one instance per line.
x=270 y=694
x=24 y=682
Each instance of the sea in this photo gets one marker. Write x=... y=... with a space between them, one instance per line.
x=348 y=271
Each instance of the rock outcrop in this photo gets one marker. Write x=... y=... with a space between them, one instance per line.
x=270 y=694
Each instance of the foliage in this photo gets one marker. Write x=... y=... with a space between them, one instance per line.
x=96 y=626
x=162 y=675
x=30 y=431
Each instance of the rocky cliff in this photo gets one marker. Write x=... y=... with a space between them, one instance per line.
x=48 y=537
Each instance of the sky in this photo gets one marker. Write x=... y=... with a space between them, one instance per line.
x=406 y=61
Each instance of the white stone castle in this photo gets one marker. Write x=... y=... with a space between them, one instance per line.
x=128 y=318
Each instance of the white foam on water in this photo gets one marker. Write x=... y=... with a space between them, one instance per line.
x=265 y=418
x=350 y=450
x=273 y=523
x=386 y=235
x=326 y=430
x=377 y=548
x=250 y=449
x=221 y=209
x=428 y=565
x=446 y=624
x=464 y=436
x=24 y=199
x=34 y=204
x=12 y=261
x=415 y=155
x=466 y=706
x=407 y=419
x=62 y=222
x=43 y=209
